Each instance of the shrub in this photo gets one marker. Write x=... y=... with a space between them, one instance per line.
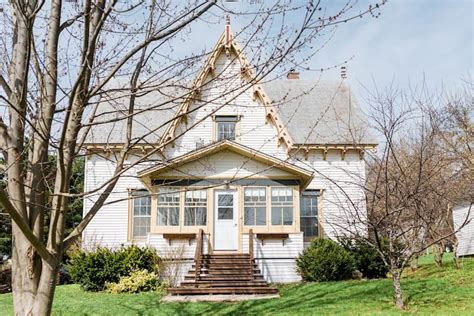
x=93 y=269
x=5 y=246
x=367 y=260
x=325 y=260
x=137 y=281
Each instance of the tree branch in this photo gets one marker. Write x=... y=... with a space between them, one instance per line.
x=26 y=230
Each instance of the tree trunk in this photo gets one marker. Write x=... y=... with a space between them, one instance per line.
x=397 y=288
x=414 y=263
x=456 y=260
x=33 y=279
x=438 y=250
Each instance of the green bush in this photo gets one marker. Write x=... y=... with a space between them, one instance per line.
x=5 y=246
x=91 y=270
x=367 y=259
x=325 y=260
x=137 y=281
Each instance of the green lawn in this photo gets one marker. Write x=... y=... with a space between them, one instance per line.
x=428 y=291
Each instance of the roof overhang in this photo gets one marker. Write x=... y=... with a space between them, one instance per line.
x=301 y=174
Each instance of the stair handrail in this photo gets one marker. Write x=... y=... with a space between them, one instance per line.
x=198 y=255
x=251 y=245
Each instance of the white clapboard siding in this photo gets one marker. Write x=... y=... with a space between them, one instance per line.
x=342 y=185
x=465 y=233
x=225 y=164
x=109 y=227
x=275 y=260
x=255 y=132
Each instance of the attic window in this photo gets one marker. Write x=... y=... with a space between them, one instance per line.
x=225 y=127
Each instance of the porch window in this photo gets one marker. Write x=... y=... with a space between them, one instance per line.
x=168 y=207
x=195 y=208
x=282 y=206
x=141 y=213
x=309 y=214
x=225 y=127
x=255 y=206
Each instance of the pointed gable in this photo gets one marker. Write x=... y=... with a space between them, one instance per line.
x=228 y=46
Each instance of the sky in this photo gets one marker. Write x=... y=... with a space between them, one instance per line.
x=411 y=42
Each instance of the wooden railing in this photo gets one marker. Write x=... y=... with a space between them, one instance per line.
x=251 y=245
x=198 y=256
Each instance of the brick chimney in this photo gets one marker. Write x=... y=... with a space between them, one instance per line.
x=293 y=74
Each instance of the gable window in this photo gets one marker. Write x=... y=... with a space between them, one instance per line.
x=141 y=213
x=255 y=206
x=226 y=127
x=282 y=206
x=195 y=208
x=168 y=207
x=309 y=214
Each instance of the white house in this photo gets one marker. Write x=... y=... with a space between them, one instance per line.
x=463 y=218
x=280 y=159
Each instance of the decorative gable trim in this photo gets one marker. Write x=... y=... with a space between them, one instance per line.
x=223 y=45
x=304 y=175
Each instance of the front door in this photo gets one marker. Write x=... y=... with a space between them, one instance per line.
x=225 y=220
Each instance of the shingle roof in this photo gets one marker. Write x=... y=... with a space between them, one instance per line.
x=154 y=109
x=314 y=112
x=319 y=112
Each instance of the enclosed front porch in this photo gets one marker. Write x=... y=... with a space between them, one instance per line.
x=226 y=190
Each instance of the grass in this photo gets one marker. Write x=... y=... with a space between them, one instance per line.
x=429 y=290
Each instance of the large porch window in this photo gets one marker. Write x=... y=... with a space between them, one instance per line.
x=168 y=207
x=282 y=206
x=255 y=204
x=195 y=208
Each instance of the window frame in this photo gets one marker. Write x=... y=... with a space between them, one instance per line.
x=293 y=220
x=226 y=118
x=312 y=193
x=131 y=203
x=195 y=206
x=255 y=206
x=157 y=205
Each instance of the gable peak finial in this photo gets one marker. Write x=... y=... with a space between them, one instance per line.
x=228 y=34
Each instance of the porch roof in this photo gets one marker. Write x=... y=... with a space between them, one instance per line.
x=302 y=174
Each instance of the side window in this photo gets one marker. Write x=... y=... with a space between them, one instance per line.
x=141 y=201
x=309 y=214
x=226 y=127
x=168 y=207
x=282 y=206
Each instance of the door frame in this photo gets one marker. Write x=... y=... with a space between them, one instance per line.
x=236 y=192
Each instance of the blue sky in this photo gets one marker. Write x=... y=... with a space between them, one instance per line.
x=410 y=41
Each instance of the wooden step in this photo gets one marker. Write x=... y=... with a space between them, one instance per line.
x=229 y=256
x=229 y=268
x=226 y=272
x=227 y=264
x=223 y=283
x=224 y=277
x=230 y=263
x=223 y=290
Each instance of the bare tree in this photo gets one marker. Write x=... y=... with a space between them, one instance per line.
x=62 y=62
x=412 y=182
x=455 y=133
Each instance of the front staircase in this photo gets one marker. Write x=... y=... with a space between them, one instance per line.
x=223 y=274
